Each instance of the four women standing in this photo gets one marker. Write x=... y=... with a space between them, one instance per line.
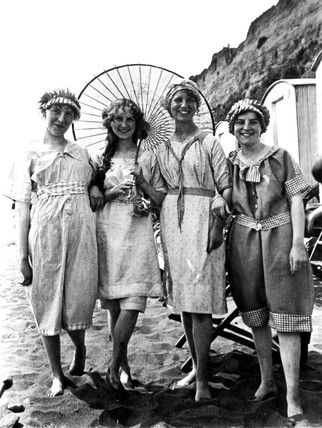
x=272 y=286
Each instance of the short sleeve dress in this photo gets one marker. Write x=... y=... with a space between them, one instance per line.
x=62 y=236
x=195 y=280
x=128 y=262
x=260 y=242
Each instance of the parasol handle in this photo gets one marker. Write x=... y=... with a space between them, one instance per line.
x=136 y=160
x=137 y=152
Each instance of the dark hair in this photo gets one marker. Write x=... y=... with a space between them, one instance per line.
x=140 y=133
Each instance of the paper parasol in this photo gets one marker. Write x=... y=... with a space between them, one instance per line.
x=146 y=85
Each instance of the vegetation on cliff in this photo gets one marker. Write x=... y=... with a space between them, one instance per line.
x=281 y=44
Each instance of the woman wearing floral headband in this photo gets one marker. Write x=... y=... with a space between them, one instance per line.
x=269 y=269
x=195 y=169
x=128 y=264
x=56 y=237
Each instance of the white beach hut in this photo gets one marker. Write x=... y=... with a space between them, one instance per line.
x=292 y=106
x=317 y=68
x=226 y=139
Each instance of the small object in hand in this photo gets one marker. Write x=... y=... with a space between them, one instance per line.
x=141 y=206
x=216 y=233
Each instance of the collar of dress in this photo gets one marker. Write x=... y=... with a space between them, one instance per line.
x=73 y=150
x=250 y=172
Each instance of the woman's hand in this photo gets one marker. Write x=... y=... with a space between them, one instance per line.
x=216 y=233
x=298 y=255
x=26 y=272
x=298 y=258
x=219 y=207
x=136 y=170
x=96 y=198
x=122 y=188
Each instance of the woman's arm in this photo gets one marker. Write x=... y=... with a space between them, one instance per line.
x=96 y=197
x=156 y=196
x=298 y=254
x=22 y=227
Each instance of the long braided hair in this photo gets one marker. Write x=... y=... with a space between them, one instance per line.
x=108 y=114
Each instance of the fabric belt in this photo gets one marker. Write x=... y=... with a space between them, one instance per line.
x=60 y=189
x=267 y=223
x=195 y=191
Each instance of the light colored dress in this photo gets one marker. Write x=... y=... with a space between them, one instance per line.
x=128 y=263
x=195 y=280
x=62 y=235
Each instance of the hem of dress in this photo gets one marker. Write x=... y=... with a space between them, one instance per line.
x=177 y=310
x=290 y=323
x=255 y=318
x=154 y=291
x=66 y=328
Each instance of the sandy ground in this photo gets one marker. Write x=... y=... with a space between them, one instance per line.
x=155 y=363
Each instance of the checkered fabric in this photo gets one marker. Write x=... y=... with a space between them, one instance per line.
x=296 y=185
x=250 y=172
x=290 y=323
x=267 y=223
x=256 y=318
x=59 y=189
x=61 y=100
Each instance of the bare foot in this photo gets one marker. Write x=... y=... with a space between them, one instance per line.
x=126 y=379
x=202 y=391
x=294 y=408
x=57 y=387
x=265 y=390
x=78 y=364
x=187 y=380
x=114 y=380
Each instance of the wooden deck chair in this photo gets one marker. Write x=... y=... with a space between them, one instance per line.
x=223 y=327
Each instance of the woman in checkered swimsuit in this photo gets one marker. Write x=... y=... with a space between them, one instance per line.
x=268 y=265
x=56 y=234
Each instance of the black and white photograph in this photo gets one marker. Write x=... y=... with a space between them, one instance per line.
x=161 y=214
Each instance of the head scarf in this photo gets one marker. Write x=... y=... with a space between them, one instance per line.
x=184 y=85
x=61 y=96
x=245 y=105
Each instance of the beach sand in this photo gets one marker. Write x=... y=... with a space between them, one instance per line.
x=155 y=363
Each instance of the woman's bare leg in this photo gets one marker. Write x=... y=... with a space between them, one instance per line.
x=52 y=347
x=202 y=333
x=122 y=333
x=186 y=319
x=78 y=364
x=198 y=332
x=125 y=375
x=290 y=348
x=263 y=344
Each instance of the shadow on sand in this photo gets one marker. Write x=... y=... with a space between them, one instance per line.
x=234 y=378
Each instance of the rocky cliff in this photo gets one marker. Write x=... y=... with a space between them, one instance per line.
x=281 y=44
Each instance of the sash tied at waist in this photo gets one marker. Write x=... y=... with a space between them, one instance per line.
x=60 y=189
x=196 y=191
x=265 y=224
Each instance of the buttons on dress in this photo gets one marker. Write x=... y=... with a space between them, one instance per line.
x=68 y=206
